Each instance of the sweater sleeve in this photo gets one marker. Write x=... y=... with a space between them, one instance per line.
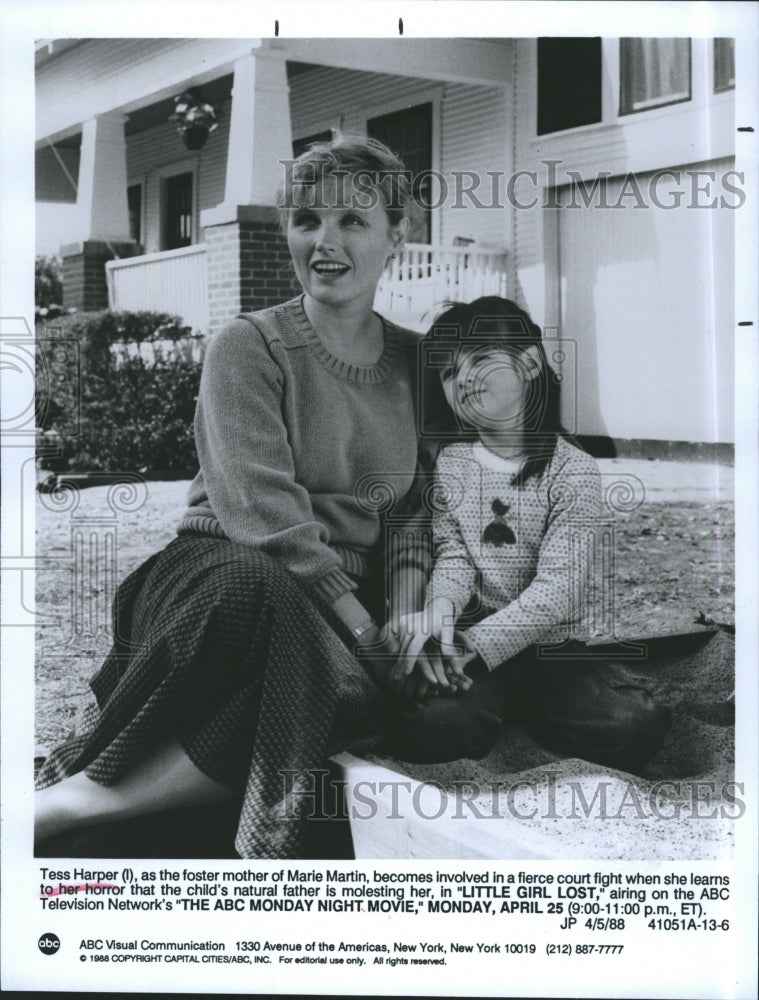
x=454 y=573
x=412 y=548
x=247 y=462
x=556 y=596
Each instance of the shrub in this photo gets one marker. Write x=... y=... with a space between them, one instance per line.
x=104 y=411
x=48 y=287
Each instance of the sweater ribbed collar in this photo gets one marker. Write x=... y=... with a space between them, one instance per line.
x=294 y=315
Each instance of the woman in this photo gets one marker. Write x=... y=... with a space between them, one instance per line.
x=232 y=671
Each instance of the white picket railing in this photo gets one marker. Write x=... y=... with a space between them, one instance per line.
x=152 y=352
x=422 y=279
x=173 y=281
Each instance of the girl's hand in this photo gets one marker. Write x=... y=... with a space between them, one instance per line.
x=463 y=653
x=417 y=686
x=435 y=622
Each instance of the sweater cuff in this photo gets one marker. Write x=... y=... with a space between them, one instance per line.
x=493 y=644
x=417 y=557
x=333 y=585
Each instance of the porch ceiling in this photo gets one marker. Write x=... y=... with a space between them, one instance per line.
x=459 y=60
x=217 y=91
x=47 y=48
x=78 y=80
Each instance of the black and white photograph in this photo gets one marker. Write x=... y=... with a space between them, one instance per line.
x=380 y=548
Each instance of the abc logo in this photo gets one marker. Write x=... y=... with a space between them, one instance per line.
x=49 y=943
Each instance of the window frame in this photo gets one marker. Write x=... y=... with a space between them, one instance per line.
x=165 y=173
x=141 y=183
x=713 y=70
x=694 y=131
x=433 y=96
x=663 y=102
x=428 y=213
x=702 y=93
x=570 y=128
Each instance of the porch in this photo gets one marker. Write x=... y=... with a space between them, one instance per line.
x=190 y=228
x=422 y=279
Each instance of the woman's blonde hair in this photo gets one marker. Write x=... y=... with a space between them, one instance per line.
x=369 y=160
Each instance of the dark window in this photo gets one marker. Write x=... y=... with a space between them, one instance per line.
x=409 y=134
x=134 y=203
x=724 y=64
x=653 y=72
x=299 y=145
x=569 y=83
x=177 y=217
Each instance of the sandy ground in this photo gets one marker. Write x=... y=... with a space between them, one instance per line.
x=674 y=564
x=684 y=529
x=680 y=807
x=669 y=482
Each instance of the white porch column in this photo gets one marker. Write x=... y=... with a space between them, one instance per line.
x=259 y=135
x=102 y=191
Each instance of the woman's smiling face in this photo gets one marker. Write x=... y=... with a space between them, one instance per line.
x=341 y=244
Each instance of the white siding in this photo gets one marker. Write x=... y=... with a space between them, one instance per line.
x=469 y=133
x=528 y=277
x=646 y=295
x=647 y=298
x=474 y=137
x=333 y=98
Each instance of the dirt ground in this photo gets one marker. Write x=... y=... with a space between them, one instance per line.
x=674 y=559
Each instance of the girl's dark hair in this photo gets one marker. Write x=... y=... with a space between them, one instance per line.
x=472 y=325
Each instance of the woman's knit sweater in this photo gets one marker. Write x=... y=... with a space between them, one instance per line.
x=300 y=452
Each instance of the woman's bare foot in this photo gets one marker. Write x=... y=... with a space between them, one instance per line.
x=62 y=807
x=166 y=780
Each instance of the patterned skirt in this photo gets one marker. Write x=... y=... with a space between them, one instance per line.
x=219 y=647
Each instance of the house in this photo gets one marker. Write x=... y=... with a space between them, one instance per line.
x=603 y=201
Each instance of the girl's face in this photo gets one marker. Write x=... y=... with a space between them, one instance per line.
x=489 y=388
x=341 y=245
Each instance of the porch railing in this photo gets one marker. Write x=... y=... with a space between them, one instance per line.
x=423 y=278
x=172 y=281
x=420 y=281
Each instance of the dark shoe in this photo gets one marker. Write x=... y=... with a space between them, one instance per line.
x=442 y=729
x=602 y=713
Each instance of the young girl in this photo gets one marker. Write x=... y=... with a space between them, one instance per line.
x=515 y=509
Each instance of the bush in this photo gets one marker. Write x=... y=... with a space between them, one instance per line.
x=104 y=411
x=48 y=284
x=48 y=287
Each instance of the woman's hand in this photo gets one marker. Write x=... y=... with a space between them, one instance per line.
x=377 y=650
x=433 y=657
x=432 y=663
